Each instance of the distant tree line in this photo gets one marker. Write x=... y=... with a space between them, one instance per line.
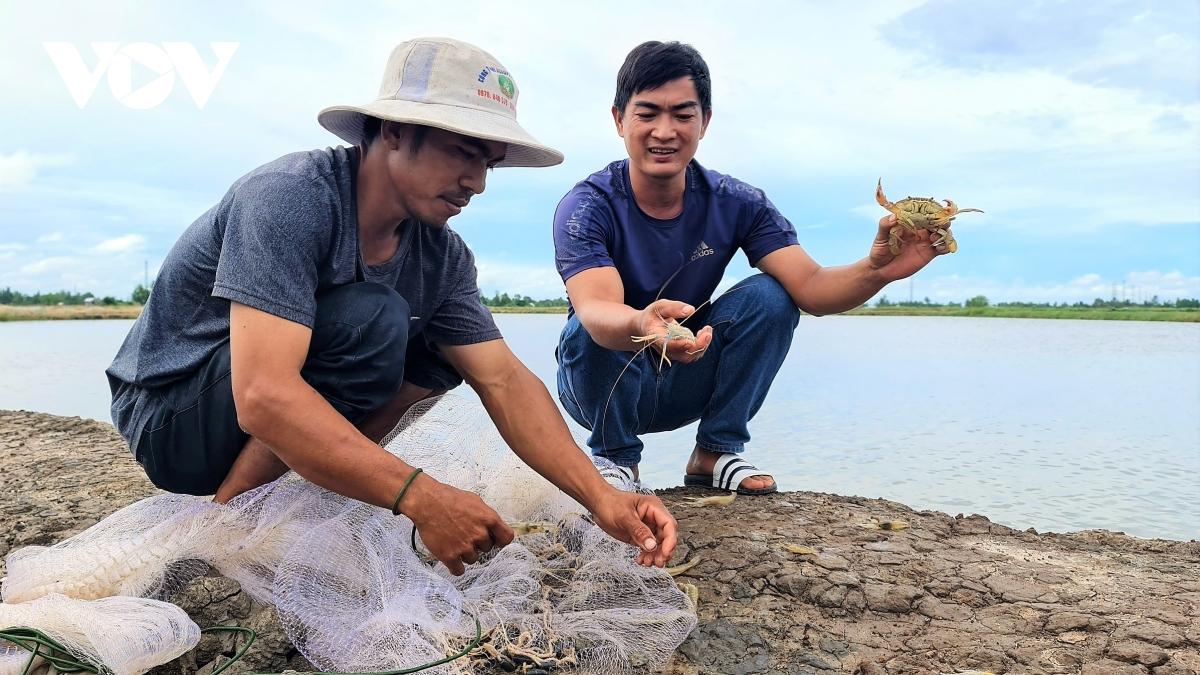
x=10 y=297
x=982 y=301
x=506 y=300
x=141 y=294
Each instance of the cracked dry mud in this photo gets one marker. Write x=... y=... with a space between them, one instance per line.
x=947 y=595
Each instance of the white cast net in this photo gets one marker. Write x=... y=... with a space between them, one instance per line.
x=131 y=634
x=351 y=592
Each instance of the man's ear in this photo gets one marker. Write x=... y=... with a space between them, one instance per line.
x=618 y=121
x=392 y=133
x=704 y=124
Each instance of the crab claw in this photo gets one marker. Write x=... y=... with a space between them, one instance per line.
x=879 y=197
x=953 y=208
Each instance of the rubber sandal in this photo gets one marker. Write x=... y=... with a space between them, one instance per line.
x=620 y=477
x=730 y=470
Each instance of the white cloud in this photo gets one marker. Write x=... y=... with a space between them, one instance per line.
x=536 y=281
x=51 y=264
x=51 y=238
x=18 y=169
x=1080 y=132
x=122 y=244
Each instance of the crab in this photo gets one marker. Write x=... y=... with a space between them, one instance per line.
x=920 y=213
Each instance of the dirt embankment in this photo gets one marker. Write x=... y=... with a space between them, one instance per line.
x=946 y=595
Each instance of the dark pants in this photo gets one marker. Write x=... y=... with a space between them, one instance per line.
x=619 y=397
x=359 y=356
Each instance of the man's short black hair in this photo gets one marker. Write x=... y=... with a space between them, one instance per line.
x=652 y=64
x=373 y=126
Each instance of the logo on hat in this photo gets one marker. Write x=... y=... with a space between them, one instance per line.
x=506 y=85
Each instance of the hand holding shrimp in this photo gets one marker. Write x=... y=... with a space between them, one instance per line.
x=658 y=326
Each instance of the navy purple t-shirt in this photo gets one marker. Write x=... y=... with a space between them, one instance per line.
x=599 y=224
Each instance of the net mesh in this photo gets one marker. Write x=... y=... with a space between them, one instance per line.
x=353 y=594
x=126 y=635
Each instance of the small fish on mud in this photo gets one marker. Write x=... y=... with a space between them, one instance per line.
x=890 y=525
x=716 y=500
x=800 y=550
x=680 y=569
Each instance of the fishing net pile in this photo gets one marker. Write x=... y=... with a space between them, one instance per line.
x=351 y=592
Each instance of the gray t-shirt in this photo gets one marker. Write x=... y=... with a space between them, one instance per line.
x=283 y=234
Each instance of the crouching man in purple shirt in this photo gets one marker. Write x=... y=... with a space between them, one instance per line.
x=646 y=240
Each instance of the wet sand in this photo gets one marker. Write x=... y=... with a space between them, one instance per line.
x=948 y=594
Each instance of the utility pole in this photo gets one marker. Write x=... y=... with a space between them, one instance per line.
x=145 y=274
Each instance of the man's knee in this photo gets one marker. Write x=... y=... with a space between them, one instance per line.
x=767 y=298
x=378 y=310
x=367 y=319
x=357 y=356
x=768 y=292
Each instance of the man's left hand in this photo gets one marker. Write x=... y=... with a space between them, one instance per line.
x=915 y=251
x=640 y=520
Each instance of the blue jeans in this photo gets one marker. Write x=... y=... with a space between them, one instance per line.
x=753 y=323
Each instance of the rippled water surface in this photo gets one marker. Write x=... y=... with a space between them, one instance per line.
x=1058 y=425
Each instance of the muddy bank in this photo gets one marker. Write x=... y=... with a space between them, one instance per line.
x=946 y=595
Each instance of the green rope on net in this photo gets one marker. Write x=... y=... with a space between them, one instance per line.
x=64 y=661
x=237 y=656
x=56 y=654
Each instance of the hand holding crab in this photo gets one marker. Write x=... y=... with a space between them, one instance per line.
x=922 y=223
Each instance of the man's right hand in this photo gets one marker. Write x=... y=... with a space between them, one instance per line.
x=653 y=320
x=456 y=525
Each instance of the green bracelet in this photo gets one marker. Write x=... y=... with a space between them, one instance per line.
x=396 y=504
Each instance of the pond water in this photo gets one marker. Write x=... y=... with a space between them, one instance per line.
x=1058 y=425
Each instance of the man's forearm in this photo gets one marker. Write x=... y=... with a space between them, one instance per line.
x=610 y=324
x=315 y=441
x=831 y=290
x=533 y=427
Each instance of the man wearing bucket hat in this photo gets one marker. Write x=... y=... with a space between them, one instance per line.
x=294 y=322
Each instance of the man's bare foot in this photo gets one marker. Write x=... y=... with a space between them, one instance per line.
x=702 y=461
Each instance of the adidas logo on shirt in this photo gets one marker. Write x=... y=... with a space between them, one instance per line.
x=702 y=250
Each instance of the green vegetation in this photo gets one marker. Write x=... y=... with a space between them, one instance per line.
x=1187 y=309
x=503 y=301
x=140 y=294
x=54 y=312
x=15 y=306
x=1037 y=312
x=549 y=309
x=67 y=298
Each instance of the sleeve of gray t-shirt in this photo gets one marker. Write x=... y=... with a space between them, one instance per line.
x=278 y=227
x=461 y=318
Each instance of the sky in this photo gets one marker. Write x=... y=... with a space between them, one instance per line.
x=1075 y=126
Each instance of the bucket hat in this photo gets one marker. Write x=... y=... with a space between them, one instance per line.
x=448 y=84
